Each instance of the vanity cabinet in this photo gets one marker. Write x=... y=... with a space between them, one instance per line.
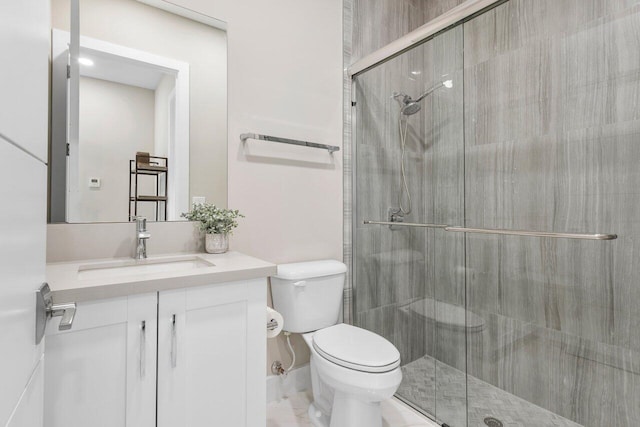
x=102 y=372
x=211 y=356
x=209 y=343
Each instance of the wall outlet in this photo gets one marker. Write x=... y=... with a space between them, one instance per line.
x=198 y=200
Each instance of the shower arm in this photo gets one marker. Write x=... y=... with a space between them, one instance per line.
x=429 y=92
x=406 y=98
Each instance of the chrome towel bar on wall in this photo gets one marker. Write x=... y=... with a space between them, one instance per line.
x=330 y=148
x=503 y=232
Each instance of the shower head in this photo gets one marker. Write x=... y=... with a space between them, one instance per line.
x=408 y=106
x=411 y=106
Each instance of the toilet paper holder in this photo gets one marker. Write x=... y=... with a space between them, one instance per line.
x=272 y=325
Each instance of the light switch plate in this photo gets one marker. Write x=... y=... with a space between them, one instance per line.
x=94 y=183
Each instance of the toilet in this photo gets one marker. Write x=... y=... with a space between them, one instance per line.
x=352 y=370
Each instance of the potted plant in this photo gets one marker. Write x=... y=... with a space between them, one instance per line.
x=217 y=223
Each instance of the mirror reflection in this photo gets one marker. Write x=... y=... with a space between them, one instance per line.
x=138 y=111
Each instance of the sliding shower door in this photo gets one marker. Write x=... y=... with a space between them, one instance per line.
x=526 y=117
x=409 y=168
x=552 y=136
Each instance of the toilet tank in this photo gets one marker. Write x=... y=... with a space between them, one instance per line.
x=308 y=294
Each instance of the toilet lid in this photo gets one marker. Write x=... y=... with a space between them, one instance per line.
x=356 y=348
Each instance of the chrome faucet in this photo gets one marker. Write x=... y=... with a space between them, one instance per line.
x=141 y=235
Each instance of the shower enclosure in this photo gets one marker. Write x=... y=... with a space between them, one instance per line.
x=495 y=230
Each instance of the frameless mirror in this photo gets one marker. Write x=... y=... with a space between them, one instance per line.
x=138 y=111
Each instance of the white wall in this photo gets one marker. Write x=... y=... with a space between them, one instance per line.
x=116 y=121
x=69 y=242
x=284 y=79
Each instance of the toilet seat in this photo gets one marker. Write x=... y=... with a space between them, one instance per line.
x=356 y=348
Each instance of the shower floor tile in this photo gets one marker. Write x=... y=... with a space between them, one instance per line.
x=292 y=412
x=419 y=387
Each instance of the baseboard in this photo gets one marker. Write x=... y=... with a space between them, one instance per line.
x=279 y=386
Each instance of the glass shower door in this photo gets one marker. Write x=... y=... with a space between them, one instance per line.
x=552 y=125
x=525 y=117
x=409 y=282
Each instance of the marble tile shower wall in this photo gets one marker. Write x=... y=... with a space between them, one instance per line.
x=552 y=121
x=378 y=23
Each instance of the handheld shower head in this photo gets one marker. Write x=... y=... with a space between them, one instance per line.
x=411 y=106
x=408 y=106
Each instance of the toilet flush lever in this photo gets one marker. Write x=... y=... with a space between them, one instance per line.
x=300 y=284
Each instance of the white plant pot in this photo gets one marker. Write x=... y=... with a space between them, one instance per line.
x=216 y=243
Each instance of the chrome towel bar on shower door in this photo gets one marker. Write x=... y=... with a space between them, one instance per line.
x=580 y=236
x=405 y=224
x=329 y=148
x=503 y=232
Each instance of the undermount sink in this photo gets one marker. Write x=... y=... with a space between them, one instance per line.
x=144 y=266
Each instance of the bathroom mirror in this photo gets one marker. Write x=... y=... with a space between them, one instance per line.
x=138 y=111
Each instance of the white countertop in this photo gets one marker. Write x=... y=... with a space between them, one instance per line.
x=67 y=286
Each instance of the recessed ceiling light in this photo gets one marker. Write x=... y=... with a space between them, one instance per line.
x=416 y=73
x=85 y=61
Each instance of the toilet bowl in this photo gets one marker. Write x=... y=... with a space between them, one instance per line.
x=352 y=370
x=351 y=387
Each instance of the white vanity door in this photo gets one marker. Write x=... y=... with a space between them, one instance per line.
x=102 y=371
x=211 y=359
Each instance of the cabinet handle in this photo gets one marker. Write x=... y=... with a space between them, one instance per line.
x=143 y=348
x=174 y=344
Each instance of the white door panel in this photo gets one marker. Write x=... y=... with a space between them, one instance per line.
x=86 y=366
x=142 y=340
x=102 y=372
x=24 y=80
x=85 y=377
x=28 y=413
x=24 y=76
x=211 y=361
x=22 y=268
x=216 y=342
x=171 y=363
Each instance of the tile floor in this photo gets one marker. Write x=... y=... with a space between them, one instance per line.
x=426 y=378
x=292 y=412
